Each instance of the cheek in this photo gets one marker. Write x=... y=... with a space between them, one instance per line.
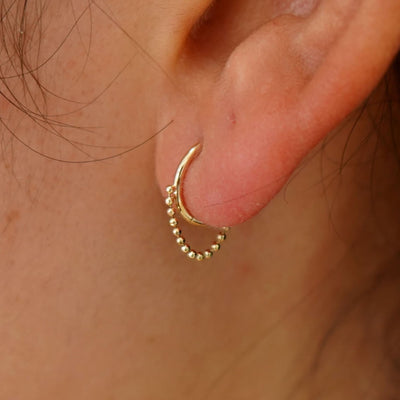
x=84 y=82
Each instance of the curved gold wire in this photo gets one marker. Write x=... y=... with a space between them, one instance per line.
x=180 y=174
x=174 y=203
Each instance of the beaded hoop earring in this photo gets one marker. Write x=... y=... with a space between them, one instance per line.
x=175 y=205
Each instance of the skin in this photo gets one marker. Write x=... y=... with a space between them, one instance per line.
x=97 y=302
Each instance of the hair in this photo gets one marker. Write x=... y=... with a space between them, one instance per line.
x=21 y=60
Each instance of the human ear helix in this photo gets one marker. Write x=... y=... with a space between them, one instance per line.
x=175 y=204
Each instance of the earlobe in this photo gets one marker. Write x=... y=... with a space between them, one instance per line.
x=280 y=92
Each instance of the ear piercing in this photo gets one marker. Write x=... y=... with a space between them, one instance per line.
x=175 y=204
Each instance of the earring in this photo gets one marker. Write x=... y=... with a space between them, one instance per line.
x=175 y=205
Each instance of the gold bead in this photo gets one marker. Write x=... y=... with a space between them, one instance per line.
x=170 y=189
x=208 y=254
x=169 y=202
x=226 y=229
x=171 y=212
x=215 y=247
x=173 y=222
x=177 y=232
x=192 y=255
x=221 y=237
x=185 y=248
x=200 y=257
x=180 y=241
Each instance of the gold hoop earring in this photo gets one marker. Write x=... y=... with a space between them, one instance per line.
x=175 y=204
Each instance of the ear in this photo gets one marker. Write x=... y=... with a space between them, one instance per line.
x=259 y=91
